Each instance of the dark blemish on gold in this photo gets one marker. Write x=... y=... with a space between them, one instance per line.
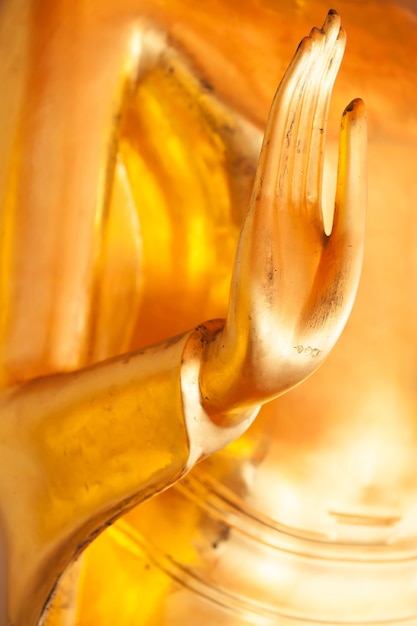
x=206 y=84
x=308 y=351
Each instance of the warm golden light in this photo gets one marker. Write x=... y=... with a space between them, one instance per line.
x=129 y=141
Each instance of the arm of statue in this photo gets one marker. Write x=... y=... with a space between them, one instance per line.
x=77 y=450
x=293 y=285
x=80 y=449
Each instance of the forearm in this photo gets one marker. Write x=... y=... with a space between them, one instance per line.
x=80 y=449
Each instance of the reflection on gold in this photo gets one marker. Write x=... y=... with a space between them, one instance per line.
x=130 y=135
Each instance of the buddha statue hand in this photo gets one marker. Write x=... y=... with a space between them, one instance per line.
x=294 y=284
x=79 y=449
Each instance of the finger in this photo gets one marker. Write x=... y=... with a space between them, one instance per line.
x=277 y=233
x=274 y=153
x=316 y=133
x=337 y=279
x=290 y=167
x=308 y=157
x=351 y=189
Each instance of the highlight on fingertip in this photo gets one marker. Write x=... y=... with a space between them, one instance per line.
x=331 y=22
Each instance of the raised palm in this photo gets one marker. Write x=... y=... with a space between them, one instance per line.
x=293 y=285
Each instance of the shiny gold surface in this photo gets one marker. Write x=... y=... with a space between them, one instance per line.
x=331 y=465
x=293 y=283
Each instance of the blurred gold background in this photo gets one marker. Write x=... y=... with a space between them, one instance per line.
x=130 y=133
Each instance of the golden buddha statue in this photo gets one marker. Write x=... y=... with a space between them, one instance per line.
x=130 y=140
